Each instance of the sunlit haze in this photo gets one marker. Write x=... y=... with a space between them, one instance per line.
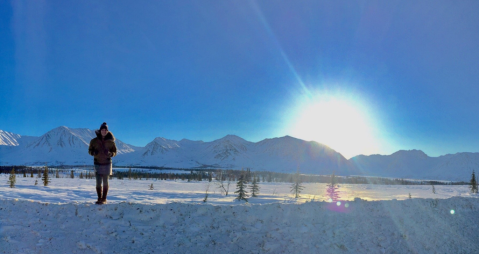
x=362 y=77
x=339 y=120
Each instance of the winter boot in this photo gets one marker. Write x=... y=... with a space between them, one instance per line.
x=98 y=192
x=105 y=192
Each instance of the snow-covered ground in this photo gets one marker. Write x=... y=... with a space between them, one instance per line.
x=66 y=190
x=172 y=218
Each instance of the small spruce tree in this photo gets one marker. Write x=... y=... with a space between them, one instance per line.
x=297 y=187
x=24 y=173
x=57 y=174
x=81 y=175
x=241 y=188
x=36 y=182
x=129 y=174
x=12 y=179
x=254 y=186
x=332 y=191
x=72 y=175
x=46 y=177
x=31 y=173
x=433 y=189
x=151 y=186
x=473 y=183
x=39 y=173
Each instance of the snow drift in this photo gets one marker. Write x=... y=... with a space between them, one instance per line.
x=409 y=226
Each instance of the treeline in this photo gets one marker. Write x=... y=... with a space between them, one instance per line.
x=21 y=169
x=217 y=174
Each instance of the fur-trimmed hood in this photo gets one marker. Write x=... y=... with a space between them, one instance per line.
x=109 y=135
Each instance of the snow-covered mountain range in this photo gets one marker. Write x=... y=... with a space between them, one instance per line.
x=60 y=146
x=68 y=146
x=416 y=164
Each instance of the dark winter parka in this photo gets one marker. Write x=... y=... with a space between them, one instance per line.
x=102 y=150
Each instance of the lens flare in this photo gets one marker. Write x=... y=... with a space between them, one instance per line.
x=453 y=212
x=338 y=203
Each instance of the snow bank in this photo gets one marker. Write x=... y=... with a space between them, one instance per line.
x=408 y=226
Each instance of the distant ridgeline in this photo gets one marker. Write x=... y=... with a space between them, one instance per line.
x=68 y=146
x=216 y=175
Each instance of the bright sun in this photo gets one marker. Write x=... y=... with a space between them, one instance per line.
x=343 y=124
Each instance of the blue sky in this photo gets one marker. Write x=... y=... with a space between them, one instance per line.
x=204 y=69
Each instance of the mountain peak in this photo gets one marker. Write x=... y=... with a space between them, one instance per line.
x=160 y=145
x=60 y=137
x=232 y=138
x=61 y=128
x=414 y=152
x=164 y=142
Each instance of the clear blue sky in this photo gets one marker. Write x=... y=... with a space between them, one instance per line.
x=204 y=69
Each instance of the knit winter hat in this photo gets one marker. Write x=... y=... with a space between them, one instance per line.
x=104 y=126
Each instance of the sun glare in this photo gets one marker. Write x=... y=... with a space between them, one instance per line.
x=342 y=123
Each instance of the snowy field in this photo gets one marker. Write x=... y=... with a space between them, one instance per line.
x=172 y=218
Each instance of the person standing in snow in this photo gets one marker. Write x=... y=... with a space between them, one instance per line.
x=102 y=148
